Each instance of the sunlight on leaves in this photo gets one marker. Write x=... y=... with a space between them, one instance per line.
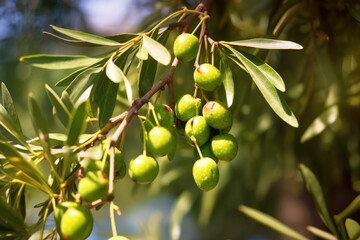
x=265 y=43
x=156 y=50
x=116 y=75
x=325 y=119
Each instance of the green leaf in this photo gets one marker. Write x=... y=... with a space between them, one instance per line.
x=156 y=50
x=227 y=81
x=148 y=68
x=77 y=124
x=314 y=188
x=268 y=71
x=265 y=43
x=86 y=37
x=8 y=104
x=82 y=82
x=60 y=108
x=108 y=101
x=352 y=229
x=271 y=222
x=115 y=74
x=11 y=218
x=57 y=62
x=41 y=128
x=142 y=53
x=352 y=208
x=326 y=118
x=11 y=127
x=31 y=173
x=271 y=95
x=56 y=139
x=321 y=233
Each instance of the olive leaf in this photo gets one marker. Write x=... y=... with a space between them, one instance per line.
x=265 y=43
x=326 y=118
x=227 y=80
x=11 y=218
x=148 y=68
x=86 y=37
x=61 y=110
x=8 y=104
x=77 y=124
x=57 y=62
x=24 y=169
x=353 y=229
x=268 y=90
x=271 y=222
x=40 y=126
x=7 y=123
x=115 y=74
x=314 y=188
x=156 y=50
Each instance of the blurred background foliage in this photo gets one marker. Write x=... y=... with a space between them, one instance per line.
x=323 y=90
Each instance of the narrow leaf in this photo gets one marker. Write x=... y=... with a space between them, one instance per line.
x=147 y=70
x=271 y=222
x=82 y=82
x=10 y=217
x=156 y=50
x=227 y=81
x=325 y=119
x=11 y=127
x=271 y=95
x=116 y=75
x=353 y=229
x=33 y=174
x=265 y=43
x=108 y=101
x=321 y=233
x=8 y=104
x=86 y=37
x=77 y=124
x=55 y=62
x=268 y=71
x=60 y=108
x=314 y=188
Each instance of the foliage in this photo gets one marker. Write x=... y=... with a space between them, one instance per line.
x=136 y=70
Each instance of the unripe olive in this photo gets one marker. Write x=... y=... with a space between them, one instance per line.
x=217 y=115
x=224 y=146
x=76 y=223
x=160 y=141
x=59 y=212
x=197 y=128
x=206 y=173
x=143 y=169
x=207 y=77
x=186 y=46
x=187 y=107
x=93 y=186
x=164 y=114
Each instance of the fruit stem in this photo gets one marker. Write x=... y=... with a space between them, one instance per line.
x=152 y=111
x=193 y=139
x=112 y=219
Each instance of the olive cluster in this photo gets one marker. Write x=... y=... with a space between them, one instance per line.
x=159 y=137
x=207 y=125
x=93 y=184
